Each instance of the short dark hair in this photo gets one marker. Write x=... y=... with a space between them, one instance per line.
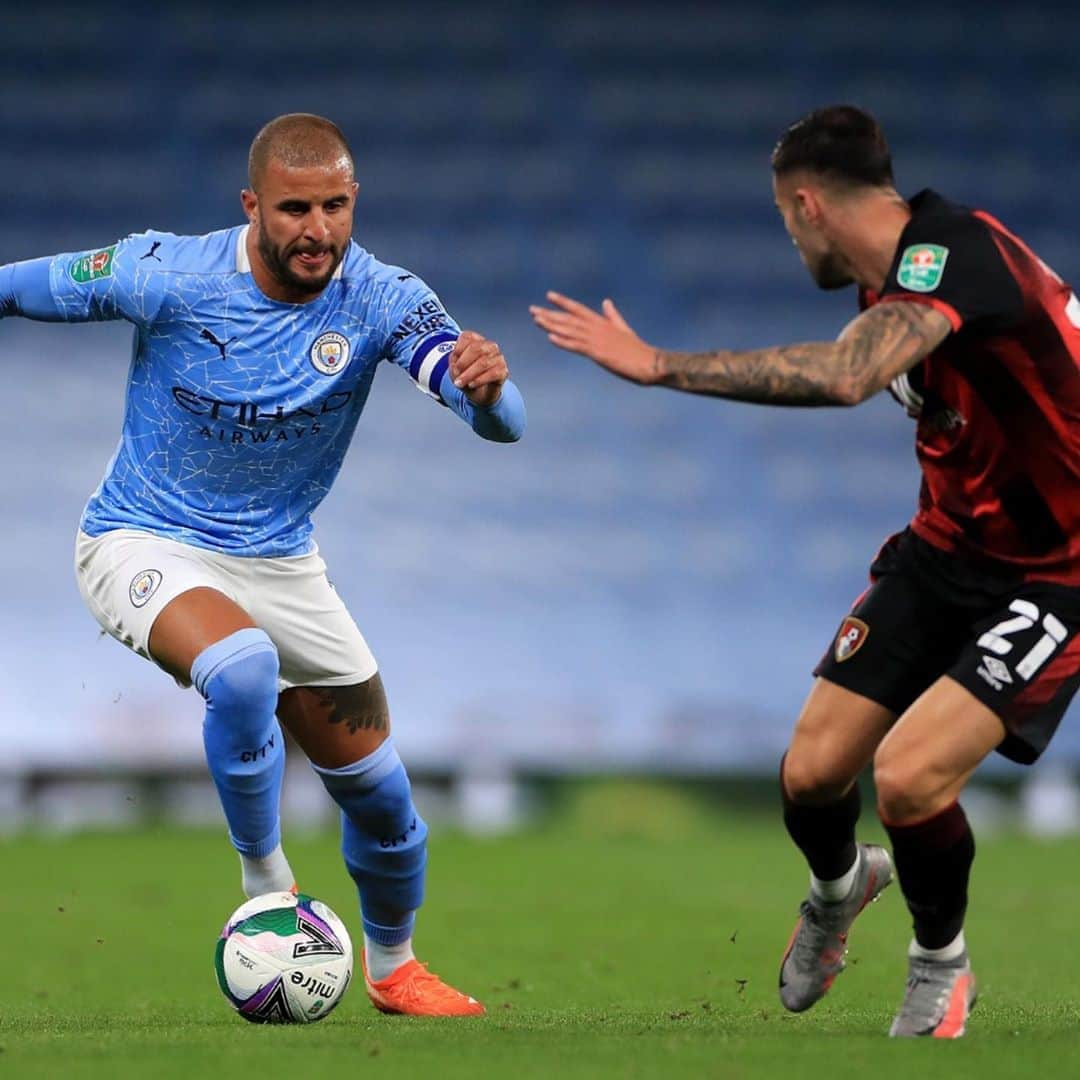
x=298 y=140
x=839 y=142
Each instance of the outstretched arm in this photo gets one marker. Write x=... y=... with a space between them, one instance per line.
x=874 y=348
x=89 y=286
x=24 y=290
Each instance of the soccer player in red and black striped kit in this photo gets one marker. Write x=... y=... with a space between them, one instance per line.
x=968 y=639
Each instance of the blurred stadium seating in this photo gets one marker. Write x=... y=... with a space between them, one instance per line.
x=647 y=579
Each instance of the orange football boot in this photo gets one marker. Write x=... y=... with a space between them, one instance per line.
x=412 y=990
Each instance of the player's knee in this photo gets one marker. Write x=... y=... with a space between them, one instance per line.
x=812 y=779
x=905 y=791
x=238 y=677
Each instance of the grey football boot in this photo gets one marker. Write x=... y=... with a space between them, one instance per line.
x=815 y=953
x=939 y=996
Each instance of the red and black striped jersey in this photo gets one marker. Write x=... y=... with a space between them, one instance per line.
x=998 y=402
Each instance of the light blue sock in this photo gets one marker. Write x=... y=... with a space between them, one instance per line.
x=244 y=745
x=383 y=840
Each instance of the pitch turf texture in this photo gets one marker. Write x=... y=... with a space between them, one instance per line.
x=634 y=933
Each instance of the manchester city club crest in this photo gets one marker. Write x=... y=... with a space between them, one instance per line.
x=143 y=585
x=330 y=352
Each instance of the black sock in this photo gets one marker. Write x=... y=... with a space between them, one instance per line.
x=933 y=862
x=824 y=834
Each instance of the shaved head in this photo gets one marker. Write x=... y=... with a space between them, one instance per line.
x=299 y=205
x=298 y=141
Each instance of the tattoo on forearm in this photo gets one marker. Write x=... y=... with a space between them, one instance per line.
x=876 y=347
x=786 y=374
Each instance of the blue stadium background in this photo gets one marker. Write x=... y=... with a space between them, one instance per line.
x=646 y=580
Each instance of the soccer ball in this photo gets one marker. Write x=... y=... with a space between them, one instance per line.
x=284 y=959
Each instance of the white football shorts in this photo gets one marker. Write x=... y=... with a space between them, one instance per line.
x=127 y=577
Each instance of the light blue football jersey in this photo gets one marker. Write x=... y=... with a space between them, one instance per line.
x=240 y=408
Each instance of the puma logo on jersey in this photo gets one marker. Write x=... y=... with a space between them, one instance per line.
x=151 y=254
x=208 y=335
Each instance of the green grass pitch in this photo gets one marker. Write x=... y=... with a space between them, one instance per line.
x=634 y=933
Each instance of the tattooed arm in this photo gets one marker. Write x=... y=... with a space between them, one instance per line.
x=873 y=349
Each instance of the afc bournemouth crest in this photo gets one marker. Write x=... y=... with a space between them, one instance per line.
x=330 y=352
x=853 y=632
x=143 y=585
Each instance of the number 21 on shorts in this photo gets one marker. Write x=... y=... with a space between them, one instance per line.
x=1026 y=615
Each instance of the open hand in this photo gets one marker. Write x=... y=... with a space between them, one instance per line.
x=605 y=337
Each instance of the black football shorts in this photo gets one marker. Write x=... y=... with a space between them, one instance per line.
x=1015 y=645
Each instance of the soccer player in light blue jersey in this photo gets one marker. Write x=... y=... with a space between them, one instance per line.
x=254 y=352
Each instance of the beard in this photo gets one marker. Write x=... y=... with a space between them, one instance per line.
x=829 y=273
x=276 y=261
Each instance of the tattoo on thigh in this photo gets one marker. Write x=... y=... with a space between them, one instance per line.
x=353 y=707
